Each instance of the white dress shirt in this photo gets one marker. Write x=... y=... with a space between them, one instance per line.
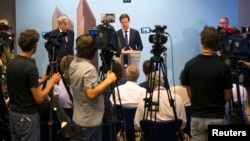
x=130 y=94
x=165 y=111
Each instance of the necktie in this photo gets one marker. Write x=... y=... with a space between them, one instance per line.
x=64 y=42
x=126 y=39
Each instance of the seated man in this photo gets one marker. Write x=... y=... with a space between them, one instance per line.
x=182 y=91
x=64 y=97
x=146 y=70
x=164 y=111
x=130 y=93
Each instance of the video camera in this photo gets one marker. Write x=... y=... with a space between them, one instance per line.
x=5 y=27
x=235 y=48
x=53 y=41
x=106 y=38
x=6 y=38
x=108 y=18
x=158 y=39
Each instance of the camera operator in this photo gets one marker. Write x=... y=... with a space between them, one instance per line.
x=24 y=89
x=67 y=43
x=88 y=100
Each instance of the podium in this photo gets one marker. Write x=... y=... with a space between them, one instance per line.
x=133 y=57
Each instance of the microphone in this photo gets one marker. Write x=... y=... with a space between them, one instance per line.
x=229 y=29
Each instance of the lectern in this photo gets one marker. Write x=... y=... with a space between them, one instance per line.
x=133 y=57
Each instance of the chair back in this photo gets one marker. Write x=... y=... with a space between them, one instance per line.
x=129 y=114
x=160 y=131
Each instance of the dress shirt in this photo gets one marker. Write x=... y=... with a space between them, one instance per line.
x=182 y=91
x=130 y=94
x=63 y=98
x=165 y=111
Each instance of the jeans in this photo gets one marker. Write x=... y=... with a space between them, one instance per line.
x=88 y=133
x=199 y=127
x=24 y=127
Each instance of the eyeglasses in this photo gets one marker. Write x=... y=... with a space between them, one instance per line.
x=223 y=22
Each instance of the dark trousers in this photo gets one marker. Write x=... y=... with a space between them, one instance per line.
x=130 y=135
x=88 y=133
x=24 y=127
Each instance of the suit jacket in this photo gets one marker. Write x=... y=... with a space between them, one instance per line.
x=66 y=48
x=134 y=39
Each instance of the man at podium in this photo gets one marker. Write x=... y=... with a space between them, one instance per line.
x=130 y=40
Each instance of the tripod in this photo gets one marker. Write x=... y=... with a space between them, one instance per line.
x=111 y=113
x=236 y=107
x=52 y=68
x=151 y=105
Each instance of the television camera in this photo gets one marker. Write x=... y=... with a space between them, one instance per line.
x=158 y=39
x=53 y=42
x=6 y=37
x=106 y=39
x=235 y=48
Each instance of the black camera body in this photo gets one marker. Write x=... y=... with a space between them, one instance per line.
x=105 y=35
x=54 y=41
x=6 y=39
x=235 y=49
x=5 y=27
x=158 y=39
x=106 y=39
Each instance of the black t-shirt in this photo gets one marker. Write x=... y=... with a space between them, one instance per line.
x=22 y=75
x=208 y=77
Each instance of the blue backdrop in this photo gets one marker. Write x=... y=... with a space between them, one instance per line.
x=184 y=20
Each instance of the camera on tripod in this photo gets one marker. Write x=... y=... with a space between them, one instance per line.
x=53 y=41
x=3 y=26
x=6 y=37
x=235 y=48
x=108 y=18
x=158 y=39
x=106 y=38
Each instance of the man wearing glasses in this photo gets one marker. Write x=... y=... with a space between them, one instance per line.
x=224 y=22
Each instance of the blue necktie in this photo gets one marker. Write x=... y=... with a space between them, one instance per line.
x=126 y=39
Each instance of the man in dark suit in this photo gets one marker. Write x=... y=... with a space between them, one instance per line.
x=67 y=42
x=129 y=38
